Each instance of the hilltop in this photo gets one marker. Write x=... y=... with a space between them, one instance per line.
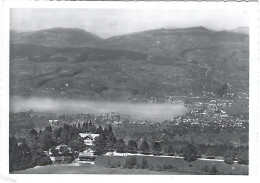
x=56 y=37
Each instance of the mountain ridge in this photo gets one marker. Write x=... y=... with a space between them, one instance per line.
x=56 y=37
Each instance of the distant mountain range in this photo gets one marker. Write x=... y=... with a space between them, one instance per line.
x=72 y=37
x=244 y=30
x=65 y=62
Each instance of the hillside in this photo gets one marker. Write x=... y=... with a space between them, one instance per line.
x=169 y=42
x=56 y=37
x=148 y=65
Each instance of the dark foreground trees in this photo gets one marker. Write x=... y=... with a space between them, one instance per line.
x=156 y=147
x=21 y=156
x=132 y=146
x=120 y=146
x=190 y=153
x=144 y=147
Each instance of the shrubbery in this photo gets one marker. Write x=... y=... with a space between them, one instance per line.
x=213 y=170
x=131 y=162
x=45 y=160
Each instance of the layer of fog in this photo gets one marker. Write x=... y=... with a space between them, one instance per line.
x=138 y=111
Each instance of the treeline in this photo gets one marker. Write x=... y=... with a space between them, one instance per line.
x=190 y=152
x=22 y=122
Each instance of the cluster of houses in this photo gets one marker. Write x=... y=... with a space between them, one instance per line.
x=205 y=113
x=86 y=156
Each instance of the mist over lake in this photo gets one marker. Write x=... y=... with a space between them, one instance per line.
x=138 y=111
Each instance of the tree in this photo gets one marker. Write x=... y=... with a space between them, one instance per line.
x=65 y=151
x=132 y=146
x=99 y=130
x=74 y=145
x=110 y=146
x=156 y=147
x=91 y=127
x=229 y=156
x=144 y=147
x=73 y=133
x=54 y=151
x=190 y=153
x=46 y=139
x=20 y=156
x=242 y=157
x=32 y=138
x=210 y=153
x=120 y=146
x=110 y=130
x=99 y=145
x=56 y=132
x=64 y=135
x=170 y=150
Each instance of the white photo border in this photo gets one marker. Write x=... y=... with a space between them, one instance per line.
x=251 y=7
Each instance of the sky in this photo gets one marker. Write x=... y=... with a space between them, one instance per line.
x=110 y=22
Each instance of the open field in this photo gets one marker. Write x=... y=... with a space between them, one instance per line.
x=101 y=167
x=89 y=169
x=179 y=165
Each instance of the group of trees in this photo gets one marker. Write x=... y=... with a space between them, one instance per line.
x=133 y=163
x=189 y=151
x=108 y=142
x=30 y=151
x=21 y=156
x=241 y=156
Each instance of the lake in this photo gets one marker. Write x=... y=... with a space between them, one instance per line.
x=138 y=111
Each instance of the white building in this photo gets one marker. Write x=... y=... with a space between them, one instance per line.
x=88 y=138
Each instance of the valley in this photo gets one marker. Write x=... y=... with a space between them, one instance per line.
x=180 y=92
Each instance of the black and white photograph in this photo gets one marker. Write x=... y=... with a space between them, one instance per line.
x=132 y=90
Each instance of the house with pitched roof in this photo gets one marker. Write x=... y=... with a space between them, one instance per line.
x=88 y=138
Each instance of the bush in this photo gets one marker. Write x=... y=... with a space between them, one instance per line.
x=229 y=160
x=229 y=156
x=242 y=157
x=130 y=163
x=190 y=153
x=165 y=167
x=170 y=166
x=118 y=164
x=45 y=160
x=150 y=167
x=144 y=164
x=159 y=168
x=108 y=164
x=213 y=170
x=205 y=168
